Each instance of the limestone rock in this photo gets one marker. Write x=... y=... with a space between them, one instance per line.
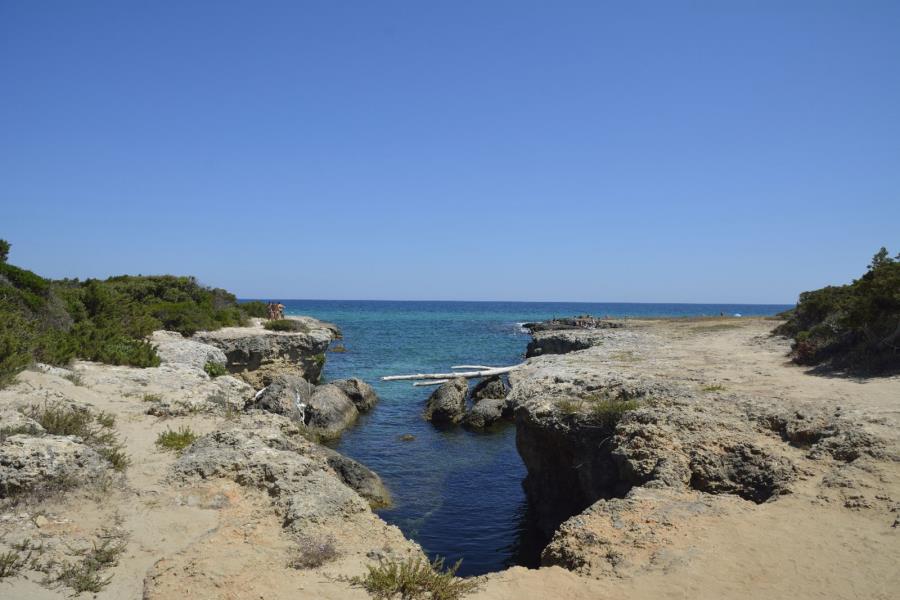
x=12 y=421
x=329 y=411
x=221 y=395
x=583 y=322
x=28 y=463
x=485 y=413
x=257 y=355
x=360 y=392
x=173 y=348
x=359 y=478
x=622 y=537
x=286 y=395
x=448 y=403
x=490 y=387
x=304 y=492
x=557 y=342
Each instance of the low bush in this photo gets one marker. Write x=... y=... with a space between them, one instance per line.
x=414 y=579
x=214 y=369
x=255 y=308
x=176 y=440
x=313 y=553
x=105 y=321
x=854 y=326
x=285 y=325
x=16 y=345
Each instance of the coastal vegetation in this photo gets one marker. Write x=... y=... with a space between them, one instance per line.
x=106 y=321
x=214 y=369
x=96 y=429
x=854 y=326
x=176 y=440
x=414 y=579
x=86 y=573
x=601 y=410
x=285 y=325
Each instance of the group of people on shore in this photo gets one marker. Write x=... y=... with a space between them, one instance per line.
x=276 y=310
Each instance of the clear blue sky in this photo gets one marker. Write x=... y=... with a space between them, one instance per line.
x=630 y=151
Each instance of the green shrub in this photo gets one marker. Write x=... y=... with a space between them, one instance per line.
x=17 y=344
x=254 y=308
x=11 y=563
x=4 y=250
x=414 y=579
x=23 y=279
x=214 y=369
x=85 y=575
x=176 y=440
x=104 y=321
x=285 y=325
x=854 y=326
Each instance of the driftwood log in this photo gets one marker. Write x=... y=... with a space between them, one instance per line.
x=439 y=378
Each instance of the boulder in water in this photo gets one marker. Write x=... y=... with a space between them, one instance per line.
x=490 y=387
x=360 y=392
x=448 y=403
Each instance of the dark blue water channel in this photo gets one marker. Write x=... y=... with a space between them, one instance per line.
x=458 y=493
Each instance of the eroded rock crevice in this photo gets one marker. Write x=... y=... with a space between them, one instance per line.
x=621 y=453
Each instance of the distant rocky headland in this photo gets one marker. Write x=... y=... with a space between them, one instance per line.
x=158 y=439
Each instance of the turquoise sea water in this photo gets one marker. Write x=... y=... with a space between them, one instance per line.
x=457 y=493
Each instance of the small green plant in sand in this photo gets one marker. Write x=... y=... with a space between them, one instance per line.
x=414 y=579
x=214 y=369
x=152 y=398
x=11 y=563
x=714 y=388
x=86 y=574
x=176 y=440
x=105 y=419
